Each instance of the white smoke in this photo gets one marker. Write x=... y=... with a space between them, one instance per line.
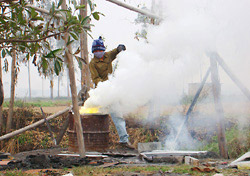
x=174 y=51
x=184 y=139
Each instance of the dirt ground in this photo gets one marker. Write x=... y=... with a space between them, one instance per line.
x=50 y=110
x=46 y=162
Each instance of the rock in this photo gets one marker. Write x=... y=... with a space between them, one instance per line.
x=191 y=161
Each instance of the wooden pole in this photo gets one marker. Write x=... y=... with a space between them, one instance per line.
x=48 y=126
x=143 y=12
x=219 y=108
x=231 y=75
x=191 y=107
x=63 y=130
x=77 y=120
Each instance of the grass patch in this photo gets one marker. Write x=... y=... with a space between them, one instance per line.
x=238 y=142
x=14 y=173
x=38 y=103
x=148 y=170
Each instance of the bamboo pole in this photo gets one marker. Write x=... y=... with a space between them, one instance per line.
x=219 y=108
x=143 y=12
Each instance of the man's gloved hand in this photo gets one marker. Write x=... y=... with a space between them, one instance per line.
x=121 y=48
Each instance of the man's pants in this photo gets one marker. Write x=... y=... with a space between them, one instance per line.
x=120 y=127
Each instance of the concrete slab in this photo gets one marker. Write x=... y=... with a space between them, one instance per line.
x=241 y=160
x=166 y=156
x=165 y=153
x=149 y=146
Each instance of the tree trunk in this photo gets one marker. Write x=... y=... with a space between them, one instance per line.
x=58 y=87
x=2 y=94
x=68 y=92
x=29 y=79
x=12 y=92
x=85 y=79
x=51 y=88
x=77 y=120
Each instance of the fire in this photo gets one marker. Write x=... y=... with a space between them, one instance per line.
x=90 y=110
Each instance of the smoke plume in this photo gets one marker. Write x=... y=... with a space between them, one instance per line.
x=175 y=49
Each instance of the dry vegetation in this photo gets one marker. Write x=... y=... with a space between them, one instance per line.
x=138 y=129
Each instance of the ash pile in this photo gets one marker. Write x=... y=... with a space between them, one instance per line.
x=147 y=153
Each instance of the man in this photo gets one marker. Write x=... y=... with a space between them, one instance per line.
x=100 y=67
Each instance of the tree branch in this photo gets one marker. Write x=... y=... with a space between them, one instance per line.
x=30 y=41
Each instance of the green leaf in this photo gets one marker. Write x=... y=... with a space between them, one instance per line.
x=77 y=51
x=80 y=7
x=85 y=20
x=74 y=35
x=57 y=67
x=53 y=8
x=3 y=53
x=90 y=5
x=44 y=64
x=33 y=13
x=59 y=3
x=37 y=18
x=28 y=56
x=96 y=15
x=52 y=54
x=69 y=41
x=79 y=61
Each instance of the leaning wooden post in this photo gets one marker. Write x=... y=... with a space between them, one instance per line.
x=232 y=75
x=218 y=107
x=129 y=7
x=77 y=120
